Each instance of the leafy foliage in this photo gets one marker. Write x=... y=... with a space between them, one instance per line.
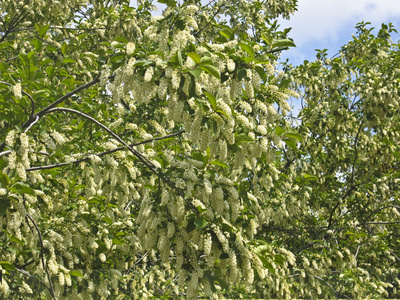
x=154 y=156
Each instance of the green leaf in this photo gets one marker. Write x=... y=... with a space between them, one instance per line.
x=64 y=48
x=4 y=205
x=199 y=157
x=196 y=72
x=290 y=143
x=107 y=220
x=214 y=127
x=37 y=44
x=243 y=138
x=42 y=30
x=219 y=163
x=295 y=136
x=75 y=273
x=17 y=240
x=261 y=72
x=22 y=188
x=283 y=43
x=117 y=241
x=223 y=283
x=121 y=39
x=200 y=223
x=196 y=57
x=279 y=130
x=179 y=56
x=261 y=249
x=226 y=32
x=279 y=259
x=310 y=177
x=284 y=84
x=267 y=264
x=266 y=36
x=211 y=70
x=247 y=48
x=206 y=60
x=190 y=226
x=211 y=99
x=39 y=93
x=201 y=210
x=168 y=2
x=68 y=60
x=139 y=62
x=4 y=181
x=7 y=265
x=221 y=112
x=249 y=59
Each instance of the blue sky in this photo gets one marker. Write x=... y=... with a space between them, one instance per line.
x=328 y=24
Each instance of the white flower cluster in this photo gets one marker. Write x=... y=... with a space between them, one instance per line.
x=10 y=138
x=17 y=90
x=149 y=74
x=130 y=48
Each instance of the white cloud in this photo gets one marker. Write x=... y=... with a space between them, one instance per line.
x=326 y=19
x=329 y=23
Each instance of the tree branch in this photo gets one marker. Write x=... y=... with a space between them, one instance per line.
x=381 y=223
x=197 y=34
x=355 y=154
x=379 y=209
x=26 y=94
x=66 y=96
x=100 y=154
x=142 y=158
x=5 y=152
x=35 y=117
x=15 y=20
x=328 y=284
x=27 y=216
x=337 y=205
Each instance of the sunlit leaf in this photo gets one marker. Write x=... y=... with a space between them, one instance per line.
x=219 y=163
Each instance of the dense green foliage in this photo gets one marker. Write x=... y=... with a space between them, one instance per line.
x=156 y=156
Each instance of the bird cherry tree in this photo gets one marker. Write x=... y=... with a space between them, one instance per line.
x=156 y=156
x=137 y=151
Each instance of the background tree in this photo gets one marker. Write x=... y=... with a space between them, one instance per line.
x=150 y=155
x=348 y=236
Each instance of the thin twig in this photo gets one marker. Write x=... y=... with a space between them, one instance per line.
x=379 y=209
x=5 y=152
x=355 y=154
x=394 y=255
x=69 y=28
x=26 y=264
x=381 y=222
x=142 y=158
x=327 y=283
x=358 y=248
x=28 y=123
x=337 y=205
x=66 y=96
x=100 y=154
x=42 y=256
x=36 y=118
x=196 y=34
x=26 y=94
x=24 y=272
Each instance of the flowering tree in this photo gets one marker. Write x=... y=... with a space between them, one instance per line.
x=146 y=155
x=348 y=239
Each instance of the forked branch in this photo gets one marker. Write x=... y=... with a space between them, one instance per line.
x=141 y=158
